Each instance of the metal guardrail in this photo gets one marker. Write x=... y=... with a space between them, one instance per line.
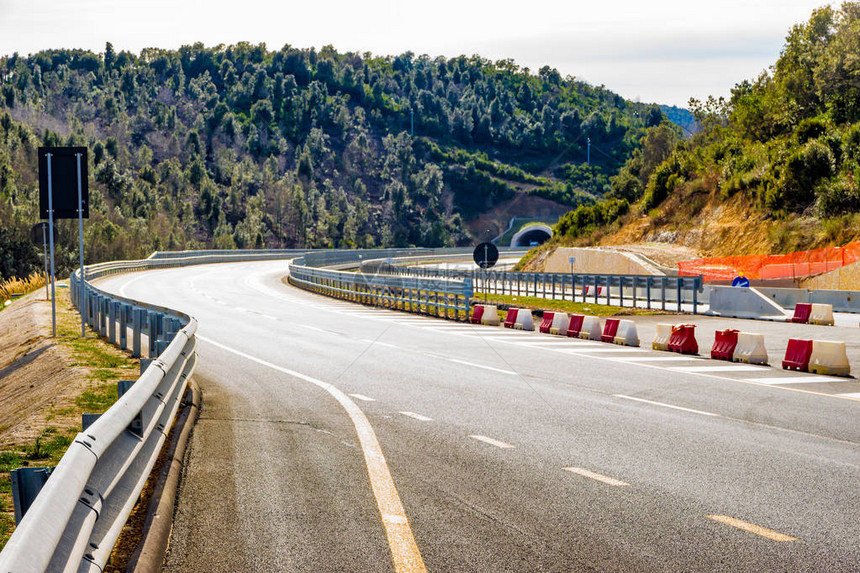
x=622 y=290
x=75 y=520
x=448 y=298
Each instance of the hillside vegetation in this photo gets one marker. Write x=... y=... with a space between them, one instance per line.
x=239 y=146
x=773 y=169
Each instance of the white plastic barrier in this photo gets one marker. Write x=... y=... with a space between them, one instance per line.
x=661 y=339
x=750 y=349
x=491 y=315
x=821 y=314
x=591 y=328
x=828 y=357
x=626 y=333
x=560 y=323
x=524 y=320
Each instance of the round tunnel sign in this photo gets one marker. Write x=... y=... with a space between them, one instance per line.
x=486 y=255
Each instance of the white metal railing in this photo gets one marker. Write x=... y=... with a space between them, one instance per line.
x=447 y=298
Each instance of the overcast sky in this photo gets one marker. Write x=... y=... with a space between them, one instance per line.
x=663 y=51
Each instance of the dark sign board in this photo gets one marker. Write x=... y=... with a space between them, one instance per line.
x=64 y=182
x=486 y=255
x=39 y=233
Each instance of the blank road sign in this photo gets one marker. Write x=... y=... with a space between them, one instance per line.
x=64 y=182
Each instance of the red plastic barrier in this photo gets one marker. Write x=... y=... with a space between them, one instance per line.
x=575 y=325
x=610 y=328
x=797 y=355
x=683 y=339
x=725 y=342
x=477 y=313
x=801 y=312
x=547 y=321
x=511 y=318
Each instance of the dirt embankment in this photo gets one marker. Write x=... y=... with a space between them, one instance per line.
x=38 y=387
x=694 y=222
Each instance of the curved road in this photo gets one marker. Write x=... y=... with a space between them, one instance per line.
x=336 y=437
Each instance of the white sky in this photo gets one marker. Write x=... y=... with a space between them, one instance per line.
x=664 y=51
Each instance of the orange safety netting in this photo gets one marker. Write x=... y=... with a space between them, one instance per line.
x=790 y=266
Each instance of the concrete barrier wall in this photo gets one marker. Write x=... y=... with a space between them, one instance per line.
x=743 y=303
x=841 y=300
x=598 y=261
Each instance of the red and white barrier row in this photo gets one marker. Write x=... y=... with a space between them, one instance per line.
x=817 y=356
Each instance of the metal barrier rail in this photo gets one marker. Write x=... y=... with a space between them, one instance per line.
x=606 y=289
x=438 y=297
x=75 y=520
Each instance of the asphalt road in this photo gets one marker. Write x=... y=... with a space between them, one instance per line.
x=496 y=450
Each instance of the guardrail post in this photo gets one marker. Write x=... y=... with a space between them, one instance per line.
x=621 y=291
x=123 y=326
x=153 y=331
x=138 y=317
x=26 y=485
x=695 y=296
x=87 y=420
x=103 y=318
x=679 y=283
x=663 y=284
x=113 y=315
x=648 y=292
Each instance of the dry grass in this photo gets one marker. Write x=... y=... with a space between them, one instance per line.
x=19 y=287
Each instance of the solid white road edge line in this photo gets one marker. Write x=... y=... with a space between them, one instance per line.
x=666 y=405
x=401 y=541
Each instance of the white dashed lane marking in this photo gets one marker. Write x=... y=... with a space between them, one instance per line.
x=796 y=380
x=719 y=368
x=490 y=368
x=597 y=477
x=491 y=441
x=663 y=405
x=363 y=398
x=654 y=359
x=417 y=416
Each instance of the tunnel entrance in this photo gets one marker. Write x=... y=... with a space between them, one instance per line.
x=531 y=236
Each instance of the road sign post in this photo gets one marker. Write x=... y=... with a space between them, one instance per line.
x=39 y=236
x=51 y=238
x=63 y=194
x=485 y=256
x=81 y=245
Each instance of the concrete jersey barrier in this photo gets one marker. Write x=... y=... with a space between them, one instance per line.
x=829 y=357
x=821 y=314
x=591 y=328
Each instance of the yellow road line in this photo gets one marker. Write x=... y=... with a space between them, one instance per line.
x=404 y=551
x=595 y=476
x=752 y=528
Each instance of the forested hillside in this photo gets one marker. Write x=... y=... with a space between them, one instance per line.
x=774 y=168
x=239 y=146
